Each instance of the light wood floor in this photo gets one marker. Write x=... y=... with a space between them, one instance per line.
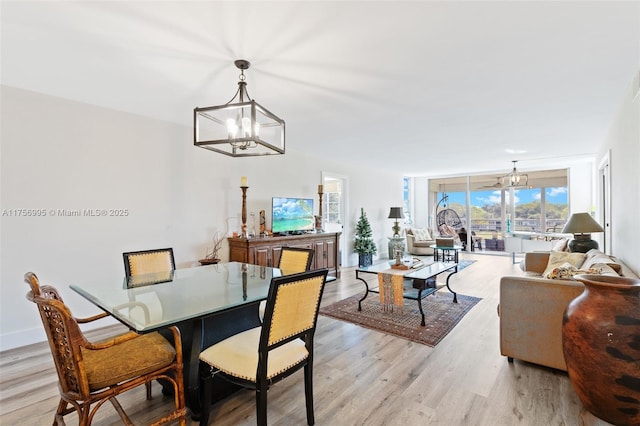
x=362 y=377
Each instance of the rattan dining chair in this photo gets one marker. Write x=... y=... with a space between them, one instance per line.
x=262 y=356
x=292 y=260
x=90 y=374
x=148 y=261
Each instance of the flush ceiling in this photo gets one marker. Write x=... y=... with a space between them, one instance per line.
x=421 y=87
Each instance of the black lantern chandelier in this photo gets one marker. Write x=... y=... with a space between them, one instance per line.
x=239 y=128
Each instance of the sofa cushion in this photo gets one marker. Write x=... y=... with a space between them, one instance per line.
x=557 y=258
x=421 y=234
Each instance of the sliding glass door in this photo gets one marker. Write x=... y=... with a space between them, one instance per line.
x=489 y=211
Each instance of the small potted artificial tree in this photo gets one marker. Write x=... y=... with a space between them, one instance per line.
x=364 y=245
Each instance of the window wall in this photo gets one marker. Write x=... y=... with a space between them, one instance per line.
x=489 y=211
x=407 y=202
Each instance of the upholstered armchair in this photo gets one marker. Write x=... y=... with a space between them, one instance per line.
x=419 y=241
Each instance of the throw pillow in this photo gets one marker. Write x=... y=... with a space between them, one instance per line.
x=557 y=258
x=604 y=269
x=567 y=271
x=421 y=234
x=603 y=258
x=561 y=245
x=593 y=252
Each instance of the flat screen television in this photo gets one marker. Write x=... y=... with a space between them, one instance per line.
x=292 y=215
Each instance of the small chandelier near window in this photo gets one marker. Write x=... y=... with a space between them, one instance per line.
x=239 y=128
x=515 y=179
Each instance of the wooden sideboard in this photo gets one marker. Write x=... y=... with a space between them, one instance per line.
x=266 y=251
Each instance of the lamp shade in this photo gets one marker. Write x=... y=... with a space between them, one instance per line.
x=581 y=223
x=396 y=213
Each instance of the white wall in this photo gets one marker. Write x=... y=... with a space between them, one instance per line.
x=623 y=140
x=421 y=205
x=64 y=155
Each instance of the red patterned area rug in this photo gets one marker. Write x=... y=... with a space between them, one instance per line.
x=441 y=315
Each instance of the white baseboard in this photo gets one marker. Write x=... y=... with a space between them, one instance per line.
x=22 y=338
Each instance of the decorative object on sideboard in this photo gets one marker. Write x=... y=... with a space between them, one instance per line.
x=364 y=244
x=252 y=229
x=581 y=225
x=600 y=344
x=241 y=127
x=396 y=213
x=319 y=217
x=212 y=255
x=515 y=179
x=244 y=187
x=263 y=224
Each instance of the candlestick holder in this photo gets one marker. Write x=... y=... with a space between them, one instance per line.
x=244 y=211
x=319 y=217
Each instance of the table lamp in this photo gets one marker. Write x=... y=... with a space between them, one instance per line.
x=581 y=225
x=396 y=213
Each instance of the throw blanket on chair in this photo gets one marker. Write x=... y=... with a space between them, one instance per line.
x=390 y=288
x=451 y=232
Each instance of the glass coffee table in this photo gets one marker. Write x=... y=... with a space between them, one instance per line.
x=416 y=280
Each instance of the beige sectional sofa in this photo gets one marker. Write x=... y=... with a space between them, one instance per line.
x=531 y=306
x=419 y=241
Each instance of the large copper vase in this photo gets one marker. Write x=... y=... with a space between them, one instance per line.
x=601 y=343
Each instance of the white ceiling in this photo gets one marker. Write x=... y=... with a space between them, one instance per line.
x=422 y=87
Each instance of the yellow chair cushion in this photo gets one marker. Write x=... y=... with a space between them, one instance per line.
x=238 y=355
x=133 y=358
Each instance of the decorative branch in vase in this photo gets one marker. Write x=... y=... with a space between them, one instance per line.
x=211 y=256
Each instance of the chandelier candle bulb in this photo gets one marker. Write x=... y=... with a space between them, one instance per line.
x=243 y=181
x=246 y=127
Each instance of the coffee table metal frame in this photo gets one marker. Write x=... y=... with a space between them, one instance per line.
x=418 y=290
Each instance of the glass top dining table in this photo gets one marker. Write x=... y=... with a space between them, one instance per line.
x=150 y=302
x=207 y=303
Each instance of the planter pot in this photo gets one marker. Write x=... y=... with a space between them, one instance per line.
x=601 y=343
x=365 y=259
x=208 y=261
